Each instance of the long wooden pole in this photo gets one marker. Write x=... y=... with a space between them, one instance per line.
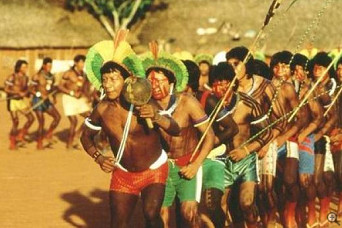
x=274 y=5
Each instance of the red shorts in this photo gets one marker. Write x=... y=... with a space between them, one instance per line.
x=134 y=182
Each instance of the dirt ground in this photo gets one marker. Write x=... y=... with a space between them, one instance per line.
x=54 y=187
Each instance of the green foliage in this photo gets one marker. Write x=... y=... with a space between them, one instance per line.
x=107 y=7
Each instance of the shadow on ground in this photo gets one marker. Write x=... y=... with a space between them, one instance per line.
x=92 y=211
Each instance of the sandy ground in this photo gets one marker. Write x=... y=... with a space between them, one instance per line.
x=54 y=187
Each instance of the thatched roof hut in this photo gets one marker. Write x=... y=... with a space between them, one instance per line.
x=34 y=29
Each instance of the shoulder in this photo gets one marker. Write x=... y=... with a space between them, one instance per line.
x=288 y=88
x=188 y=99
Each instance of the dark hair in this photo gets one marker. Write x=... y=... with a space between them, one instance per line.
x=322 y=59
x=240 y=53
x=224 y=71
x=300 y=60
x=111 y=66
x=280 y=57
x=262 y=69
x=18 y=65
x=194 y=74
x=47 y=60
x=79 y=58
x=205 y=62
x=170 y=75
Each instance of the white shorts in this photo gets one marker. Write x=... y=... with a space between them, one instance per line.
x=268 y=164
x=73 y=106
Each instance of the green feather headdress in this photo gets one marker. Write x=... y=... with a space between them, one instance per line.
x=204 y=57
x=166 y=61
x=118 y=51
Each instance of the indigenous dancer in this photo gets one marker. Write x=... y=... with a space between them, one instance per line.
x=213 y=167
x=262 y=91
x=241 y=162
x=287 y=187
x=305 y=139
x=140 y=167
x=185 y=175
x=336 y=140
x=42 y=85
x=16 y=87
x=75 y=87
x=204 y=62
x=324 y=167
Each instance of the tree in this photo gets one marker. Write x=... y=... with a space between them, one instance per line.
x=113 y=14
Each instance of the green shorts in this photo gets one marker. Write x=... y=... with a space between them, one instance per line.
x=241 y=171
x=186 y=190
x=213 y=174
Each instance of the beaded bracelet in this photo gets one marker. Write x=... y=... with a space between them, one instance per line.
x=96 y=155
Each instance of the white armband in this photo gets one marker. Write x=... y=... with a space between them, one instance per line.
x=88 y=123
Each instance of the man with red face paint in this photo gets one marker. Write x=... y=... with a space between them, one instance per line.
x=241 y=163
x=141 y=168
x=185 y=176
x=213 y=165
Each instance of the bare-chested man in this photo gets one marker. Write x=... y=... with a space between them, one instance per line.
x=185 y=175
x=324 y=167
x=213 y=167
x=76 y=98
x=299 y=70
x=42 y=85
x=143 y=166
x=336 y=139
x=16 y=87
x=241 y=167
x=285 y=100
x=262 y=91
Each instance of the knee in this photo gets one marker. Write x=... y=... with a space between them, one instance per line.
x=58 y=118
x=151 y=214
x=246 y=201
x=30 y=118
x=189 y=213
x=15 y=122
x=213 y=199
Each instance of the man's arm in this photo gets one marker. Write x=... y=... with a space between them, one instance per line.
x=168 y=124
x=9 y=87
x=329 y=125
x=198 y=116
x=93 y=126
x=301 y=116
x=228 y=125
x=62 y=85
x=317 y=113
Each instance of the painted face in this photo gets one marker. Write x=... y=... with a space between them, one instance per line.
x=299 y=73
x=281 y=71
x=160 y=85
x=220 y=88
x=339 y=72
x=204 y=69
x=112 y=84
x=239 y=67
x=47 y=67
x=23 y=69
x=318 y=71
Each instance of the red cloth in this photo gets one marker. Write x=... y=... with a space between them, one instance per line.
x=134 y=182
x=184 y=160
